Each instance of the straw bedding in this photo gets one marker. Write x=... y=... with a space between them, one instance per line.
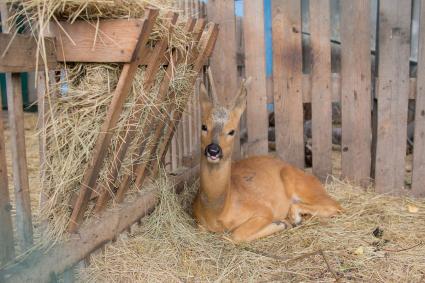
x=378 y=239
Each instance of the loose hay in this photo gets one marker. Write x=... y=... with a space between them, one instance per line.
x=78 y=103
x=167 y=247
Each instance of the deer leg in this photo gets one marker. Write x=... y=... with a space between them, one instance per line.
x=258 y=227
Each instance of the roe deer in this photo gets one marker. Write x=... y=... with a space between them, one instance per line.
x=253 y=197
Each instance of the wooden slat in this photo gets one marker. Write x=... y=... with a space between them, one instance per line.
x=255 y=67
x=321 y=87
x=356 y=90
x=102 y=143
x=7 y=247
x=18 y=53
x=104 y=42
x=393 y=91
x=20 y=173
x=288 y=79
x=128 y=134
x=223 y=60
x=418 y=178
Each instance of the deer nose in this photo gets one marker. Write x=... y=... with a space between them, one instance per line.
x=213 y=149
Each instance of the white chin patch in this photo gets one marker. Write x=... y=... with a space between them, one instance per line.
x=213 y=159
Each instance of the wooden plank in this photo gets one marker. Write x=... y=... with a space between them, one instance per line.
x=255 y=67
x=128 y=134
x=18 y=53
x=320 y=88
x=102 y=41
x=17 y=143
x=20 y=173
x=7 y=247
x=393 y=91
x=102 y=143
x=356 y=90
x=418 y=178
x=223 y=60
x=288 y=79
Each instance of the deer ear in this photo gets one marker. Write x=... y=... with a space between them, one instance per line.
x=239 y=104
x=204 y=100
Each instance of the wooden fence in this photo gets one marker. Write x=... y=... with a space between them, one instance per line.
x=313 y=71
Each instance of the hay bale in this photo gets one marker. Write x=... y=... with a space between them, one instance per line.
x=379 y=239
x=79 y=101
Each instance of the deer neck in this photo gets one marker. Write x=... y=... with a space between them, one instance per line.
x=215 y=182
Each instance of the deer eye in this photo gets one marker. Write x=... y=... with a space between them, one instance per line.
x=231 y=133
x=204 y=128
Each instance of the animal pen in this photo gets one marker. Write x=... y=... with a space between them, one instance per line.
x=118 y=134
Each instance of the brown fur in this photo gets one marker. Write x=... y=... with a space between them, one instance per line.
x=253 y=197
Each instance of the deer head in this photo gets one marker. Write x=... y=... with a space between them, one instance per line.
x=219 y=123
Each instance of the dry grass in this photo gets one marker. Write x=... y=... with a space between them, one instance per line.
x=78 y=103
x=167 y=247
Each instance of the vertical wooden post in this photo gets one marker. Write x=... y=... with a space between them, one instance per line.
x=321 y=104
x=7 y=247
x=255 y=63
x=17 y=137
x=393 y=92
x=418 y=178
x=20 y=172
x=287 y=78
x=223 y=61
x=356 y=90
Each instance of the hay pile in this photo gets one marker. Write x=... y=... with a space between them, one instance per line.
x=78 y=103
x=378 y=239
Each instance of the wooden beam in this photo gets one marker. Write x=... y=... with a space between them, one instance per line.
x=288 y=80
x=418 y=178
x=393 y=92
x=320 y=27
x=7 y=246
x=17 y=144
x=20 y=171
x=356 y=91
x=18 y=53
x=255 y=67
x=99 y=152
x=102 y=41
x=41 y=265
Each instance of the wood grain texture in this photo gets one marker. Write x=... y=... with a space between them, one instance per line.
x=19 y=165
x=255 y=67
x=393 y=91
x=288 y=79
x=102 y=41
x=321 y=88
x=418 y=178
x=103 y=140
x=223 y=60
x=356 y=90
x=7 y=247
x=18 y=53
